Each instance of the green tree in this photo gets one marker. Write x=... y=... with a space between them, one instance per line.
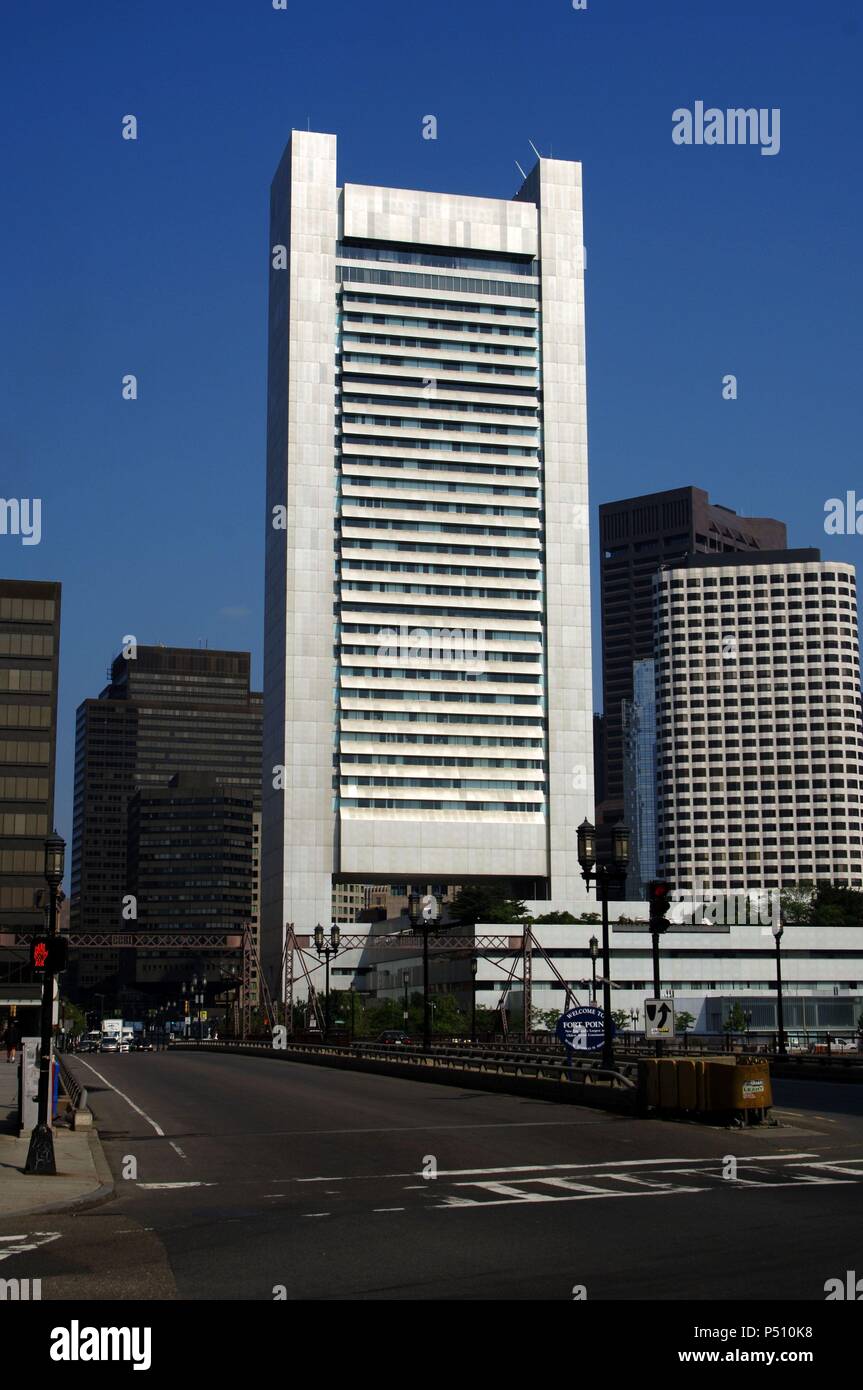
x=73 y=1018
x=837 y=906
x=621 y=1020
x=683 y=1021
x=485 y=902
x=735 y=1021
x=590 y=917
x=556 y=919
x=796 y=903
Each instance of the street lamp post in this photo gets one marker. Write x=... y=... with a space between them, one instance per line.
x=327 y=948
x=474 y=964
x=781 y=1049
x=606 y=873
x=40 y=1155
x=406 y=979
x=417 y=920
x=594 y=952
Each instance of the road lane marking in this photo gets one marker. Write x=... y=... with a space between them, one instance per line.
x=388 y=1209
x=123 y=1096
x=316 y=1213
x=609 y=1163
x=522 y=1199
x=25 y=1245
x=170 y=1186
x=177 y=1149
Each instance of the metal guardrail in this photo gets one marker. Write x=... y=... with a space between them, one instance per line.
x=73 y=1088
x=577 y=1071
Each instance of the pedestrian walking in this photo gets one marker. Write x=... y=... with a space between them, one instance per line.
x=12 y=1039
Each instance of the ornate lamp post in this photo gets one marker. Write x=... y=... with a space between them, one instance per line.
x=782 y=1049
x=594 y=952
x=40 y=1156
x=606 y=874
x=474 y=964
x=417 y=920
x=327 y=948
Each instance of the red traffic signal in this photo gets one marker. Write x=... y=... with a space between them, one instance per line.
x=659 y=897
x=49 y=953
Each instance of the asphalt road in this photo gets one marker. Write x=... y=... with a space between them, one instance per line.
x=237 y=1175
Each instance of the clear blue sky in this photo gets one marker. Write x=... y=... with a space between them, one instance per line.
x=151 y=257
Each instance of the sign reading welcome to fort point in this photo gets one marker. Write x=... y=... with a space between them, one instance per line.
x=582 y=1028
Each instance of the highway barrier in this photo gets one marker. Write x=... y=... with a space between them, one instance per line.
x=580 y=1081
x=82 y=1117
x=725 y=1089
x=733 y=1089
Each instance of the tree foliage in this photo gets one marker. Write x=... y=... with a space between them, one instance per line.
x=735 y=1021
x=485 y=902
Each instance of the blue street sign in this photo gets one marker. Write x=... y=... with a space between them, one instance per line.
x=582 y=1029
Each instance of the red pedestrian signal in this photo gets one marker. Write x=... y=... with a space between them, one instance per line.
x=659 y=898
x=49 y=953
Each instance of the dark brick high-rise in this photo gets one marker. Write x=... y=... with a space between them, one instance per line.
x=29 y=667
x=637 y=535
x=169 y=710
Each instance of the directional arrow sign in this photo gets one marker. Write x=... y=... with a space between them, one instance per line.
x=658 y=1018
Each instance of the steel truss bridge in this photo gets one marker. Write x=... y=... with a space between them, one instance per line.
x=300 y=960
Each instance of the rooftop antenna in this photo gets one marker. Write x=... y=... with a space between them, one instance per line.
x=535 y=150
x=520 y=170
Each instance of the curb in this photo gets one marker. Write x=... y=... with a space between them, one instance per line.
x=101 y=1194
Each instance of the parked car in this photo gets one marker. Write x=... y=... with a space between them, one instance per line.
x=109 y=1044
x=394 y=1037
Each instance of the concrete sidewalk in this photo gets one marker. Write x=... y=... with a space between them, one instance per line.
x=83 y=1175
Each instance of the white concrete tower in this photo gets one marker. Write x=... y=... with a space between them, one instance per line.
x=427 y=663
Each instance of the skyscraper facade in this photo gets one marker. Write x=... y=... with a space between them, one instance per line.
x=637 y=535
x=166 y=710
x=428 y=708
x=639 y=777
x=759 y=748
x=29 y=670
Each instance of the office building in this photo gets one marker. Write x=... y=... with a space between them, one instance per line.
x=639 y=777
x=166 y=710
x=637 y=535
x=29 y=670
x=427 y=658
x=758 y=728
x=190 y=865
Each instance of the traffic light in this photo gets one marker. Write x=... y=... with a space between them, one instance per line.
x=49 y=953
x=659 y=897
x=58 y=954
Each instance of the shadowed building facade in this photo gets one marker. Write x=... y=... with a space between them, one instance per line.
x=29 y=671
x=168 y=710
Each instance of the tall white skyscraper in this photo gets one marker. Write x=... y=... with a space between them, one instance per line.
x=428 y=665
x=758 y=743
